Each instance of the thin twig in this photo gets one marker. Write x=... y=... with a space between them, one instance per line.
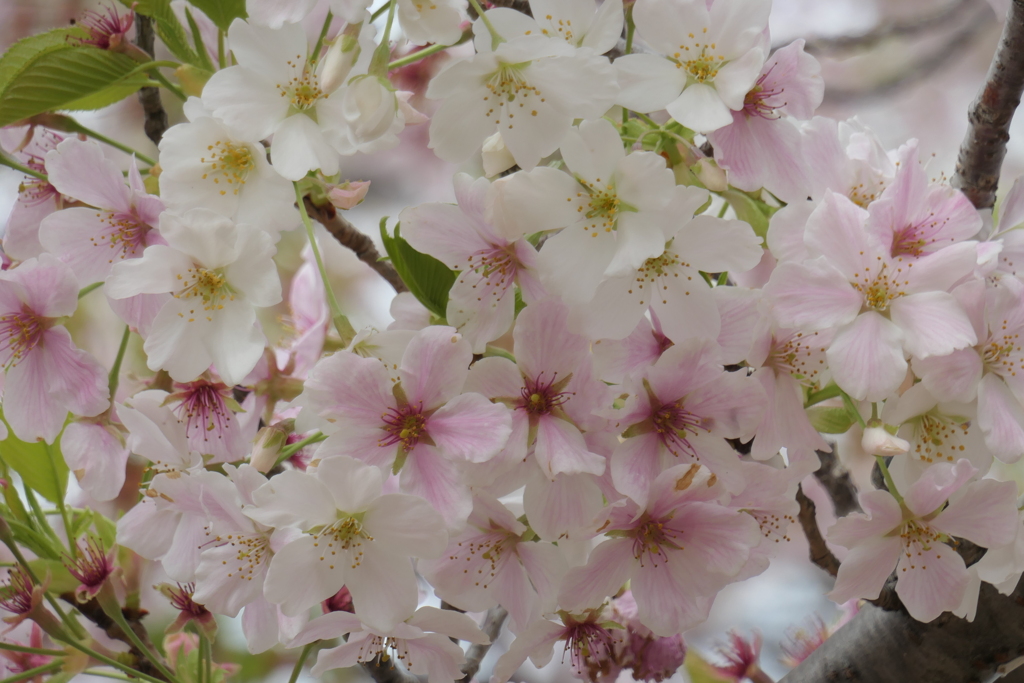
x=820 y=553
x=360 y=244
x=984 y=147
x=156 y=117
x=491 y=627
x=891 y=29
x=92 y=611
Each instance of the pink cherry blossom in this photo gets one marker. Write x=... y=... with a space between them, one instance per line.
x=931 y=576
x=46 y=374
x=37 y=198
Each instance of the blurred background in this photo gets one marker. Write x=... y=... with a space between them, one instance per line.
x=904 y=68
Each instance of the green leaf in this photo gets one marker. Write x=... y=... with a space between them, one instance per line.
x=25 y=51
x=61 y=580
x=748 y=210
x=700 y=671
x=45 y=475
x=428 y=279
x=39 y=543
x=59 y=79
x=108 y=96
x=829 y=420
x=197 y=41
x=168 y=28
x=222 y=12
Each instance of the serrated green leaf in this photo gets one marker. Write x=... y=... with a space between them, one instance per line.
x=428 y=279
x=197 y=41
x=60 y=78
x=748 y=210
x=108 y=96
x=829 y=419
x=222 y=12
x=45 y=475
x=25 y=51
x=168 y=28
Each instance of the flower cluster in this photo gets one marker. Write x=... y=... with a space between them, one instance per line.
x=624 y=383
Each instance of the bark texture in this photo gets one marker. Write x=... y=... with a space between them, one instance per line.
x=156 y=118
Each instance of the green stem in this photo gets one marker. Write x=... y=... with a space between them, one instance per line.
x=113 y=610
x=107 y=674
x=417 y=56
x=159 y=77
x=70 y=623
x=298 y=665
x=831 y=391
x=11 y=163
x=382 y=55
x=341 y=323
x=852 y=409
x=315 y=54
x=32 y=650
x=89 y=288
x=40 y=517
x=377 y=14
x=496 y=38
x=208 y=659
x=630 y=28
x=32 y=673
x=72 y=544
x=111 y=662
x=221 y=55
x=888 y=479
x=79 y=128
x=293 y=448
x=647 y=119
x=115 y=370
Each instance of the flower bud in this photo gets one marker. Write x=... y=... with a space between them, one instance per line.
x=369 y=107
x=340 y=57
x=348 y=194
x=710 y=175
x=267 y=448
x=878 y=441
x=496 y=156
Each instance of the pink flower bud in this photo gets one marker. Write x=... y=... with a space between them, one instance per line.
x=348 y=195
x=877 y=441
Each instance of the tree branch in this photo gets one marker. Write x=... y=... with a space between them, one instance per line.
x=156 y=117
x=984 y=147
x=389 y=672
x=882 y=646
x=361 y=245
x=491 y=627
x=92 y=611
x=836 y=480
x=820 y=554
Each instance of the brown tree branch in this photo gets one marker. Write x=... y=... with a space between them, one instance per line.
x=836 y=480
x=491 y=627
x=885 y=646
x=156 y=117
x=92 y=611
x=388 y=672
x=984 y=147
x=820 y=553
x=351 y=238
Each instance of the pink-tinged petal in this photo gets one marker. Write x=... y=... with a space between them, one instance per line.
x=536 y=198
x=153 y=430
x=953 y=377
x=146 y=529
x=470 y=427
x=32 y=411
x=563 y=508
x=943 y=269
x=545 y=565
x=684 y=367
x=72 y=376
x=715 y=245
x=866 y=357
x=96 y=457
x=448 y=623
x=349 y=387
x=495 y=377
x=731 y=405
x=177 y=346
x=365 y=443
x=836 y=230
x=353 y=485
x=665 y=599
x=543 y=343
x=85 y=240
x=1011 y=210
x=931 y=581
x=786 y=230
x=578 y=283
x=406 y=525
x=342 y=656
x=593 y=150
x=635 y=463
x=246 y=101
x=155 y=273
x=431 y=476
x=560 y=449
x=139 y=311
x=327 y=626
x=78 y=169
x=435 y=657
x=933 y=324
x=434 y=367
x=445 y=232
x=785 y=421
x=720 y=538
x=383 y=587
x=735 y=79
x=883 y=514
x=45 y=285
x=320 y=578
x=700 y=108
x=606 y=571
x=984 y=512
x=511 y=589
x=812 y=295
x=796 y=76
x=759 y=152
x=293 y=498
x=866 y=567
x=936 y=485
x=1000 y=417
x=536 y=643
x=273 y=52
x=223 y=585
